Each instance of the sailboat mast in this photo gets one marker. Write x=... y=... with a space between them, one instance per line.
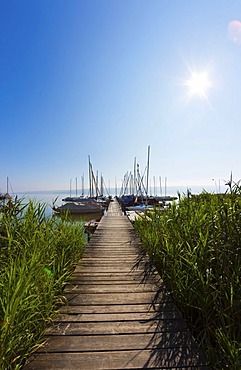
x=101 y=186
x=83 y=185
x=90 y=179
x=148 y=164
x=97 y=183
x=160 y=179
x=135 y=184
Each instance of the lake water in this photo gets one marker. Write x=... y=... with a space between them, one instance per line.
x=51 y=196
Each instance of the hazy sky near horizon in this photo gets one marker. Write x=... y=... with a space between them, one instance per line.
x=107 y=78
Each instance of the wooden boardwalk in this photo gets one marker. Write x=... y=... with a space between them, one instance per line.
x=118 y=315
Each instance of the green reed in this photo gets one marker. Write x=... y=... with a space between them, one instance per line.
x=196 y=246
x=37 y=256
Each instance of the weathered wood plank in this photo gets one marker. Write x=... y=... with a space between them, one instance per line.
x=116 y=327
x=109 y=298
x=159 y=309
x=117 y=342
x=113 y=288
x=179 y=358
x=129 y=263
x=110 y=269
x=123 y=316
x=111 y=278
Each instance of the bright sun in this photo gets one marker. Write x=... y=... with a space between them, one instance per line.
x=198 y=84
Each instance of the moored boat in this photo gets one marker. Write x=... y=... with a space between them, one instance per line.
x=80 y=207
x=139 y=208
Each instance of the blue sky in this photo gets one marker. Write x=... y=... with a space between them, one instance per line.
x=106 y=78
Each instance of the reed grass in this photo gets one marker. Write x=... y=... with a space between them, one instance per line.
x=37 y=256
x=196 y=246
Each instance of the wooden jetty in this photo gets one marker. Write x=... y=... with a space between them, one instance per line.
x=119 y=314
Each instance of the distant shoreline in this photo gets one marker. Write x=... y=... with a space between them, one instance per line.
x=170 y=190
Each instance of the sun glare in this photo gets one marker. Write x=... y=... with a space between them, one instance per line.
x=198 y=84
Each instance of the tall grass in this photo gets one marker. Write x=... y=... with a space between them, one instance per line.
x=196 y=246
x=37 y=256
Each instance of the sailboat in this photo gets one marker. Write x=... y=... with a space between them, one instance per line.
x=80 y=207
x=84 y=205
x=139 y=199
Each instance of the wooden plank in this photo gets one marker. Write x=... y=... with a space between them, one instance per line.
x=110 y=288
x=106 y=251
x=123 y=316
x=113 y=258
x=87 y=282
x=179 y=358
x=110 y=269
x=116 y=327
x=130 y=263
x=95 y=343
x=111 y=278
x=99 y=280
x=115 y=308
x=108 y=274
x=105 y=279
x=109 y=298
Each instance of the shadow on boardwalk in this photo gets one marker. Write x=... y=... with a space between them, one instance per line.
x=170 y=329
